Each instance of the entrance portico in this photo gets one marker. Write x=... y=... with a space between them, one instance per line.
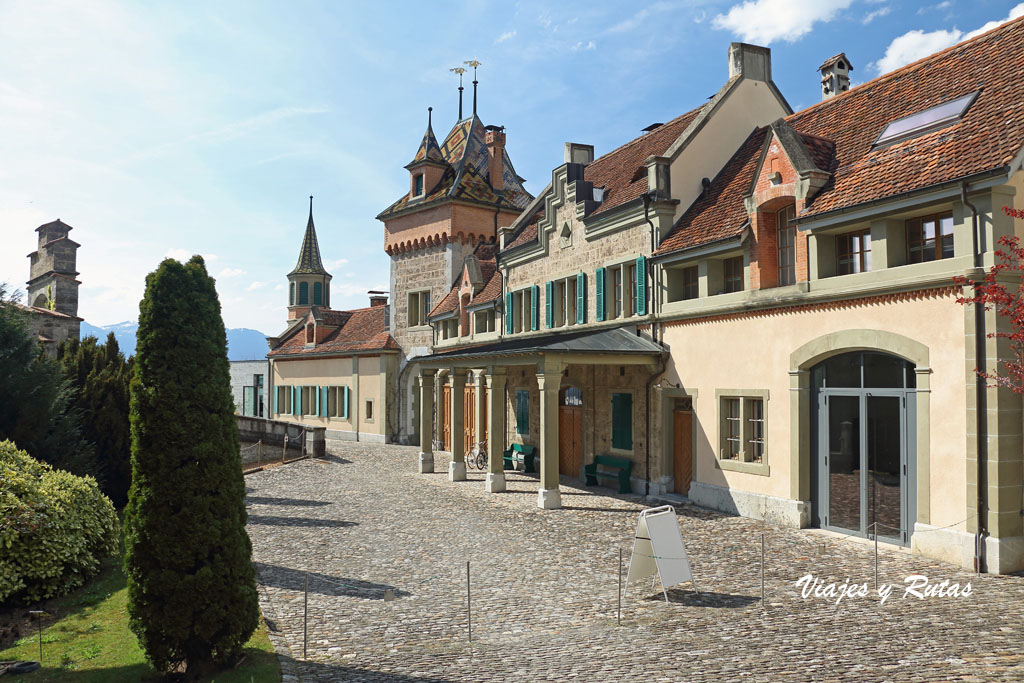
x=548 y=358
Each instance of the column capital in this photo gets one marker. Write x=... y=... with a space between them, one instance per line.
x=549 y=368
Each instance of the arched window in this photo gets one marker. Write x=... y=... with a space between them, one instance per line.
x=291 y=294
x=787 y=246
x=318 y=294
x=303 y=293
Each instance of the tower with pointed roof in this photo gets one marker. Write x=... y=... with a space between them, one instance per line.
x=309 y=283
x=461 y=191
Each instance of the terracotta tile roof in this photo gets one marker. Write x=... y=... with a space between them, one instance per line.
x=485 y=254
x=720 y=212
x=490 y=291
x=467 y=176
x=839 y=133
x=528 y=233
x=363 y=329
x=988 y=137
x=616 y=170
x=447 y=304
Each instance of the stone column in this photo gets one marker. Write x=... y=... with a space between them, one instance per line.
x=496 y=428
x=549 y=380
x=457 y=467
x=478 y=407
x=426 y=421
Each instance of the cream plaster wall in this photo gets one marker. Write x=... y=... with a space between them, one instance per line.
x=750 y=105
x=753 y=354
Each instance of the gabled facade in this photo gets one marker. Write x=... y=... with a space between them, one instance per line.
x=756 y=308
x=332 y=369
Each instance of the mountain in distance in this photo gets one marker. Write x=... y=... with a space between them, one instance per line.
x=243 y=343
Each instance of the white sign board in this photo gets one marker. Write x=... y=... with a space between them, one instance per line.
x=658 y=549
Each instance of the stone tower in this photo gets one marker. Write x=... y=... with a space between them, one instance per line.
x=53 y=283
x=309 y=283
x=461 y=191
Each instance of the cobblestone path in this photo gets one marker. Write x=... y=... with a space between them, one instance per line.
x=362 y=522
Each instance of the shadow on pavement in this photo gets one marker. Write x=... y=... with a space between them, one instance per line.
x=338 y=672
x=273 y=520
x=323 y=584
x=687 y=598
x=299 y=502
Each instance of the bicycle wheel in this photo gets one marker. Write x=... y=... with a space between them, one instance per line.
x=471 y=460
x=481 y=461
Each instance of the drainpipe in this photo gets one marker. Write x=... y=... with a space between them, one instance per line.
x=981 y=411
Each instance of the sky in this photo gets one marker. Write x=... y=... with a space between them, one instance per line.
x=167 y=129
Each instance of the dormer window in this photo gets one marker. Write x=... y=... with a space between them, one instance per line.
x=417 y=189
x=926 y=121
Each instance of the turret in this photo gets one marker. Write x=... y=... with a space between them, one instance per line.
x=309 y=283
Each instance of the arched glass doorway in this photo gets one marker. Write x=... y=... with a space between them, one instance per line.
x=863 y=464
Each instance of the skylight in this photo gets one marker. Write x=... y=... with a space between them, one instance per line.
x=927 y=120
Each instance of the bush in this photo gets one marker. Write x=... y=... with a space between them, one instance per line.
x=191 y=584
x=55 y=528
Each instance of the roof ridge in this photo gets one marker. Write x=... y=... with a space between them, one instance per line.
x=912 y=66
x=641 y=137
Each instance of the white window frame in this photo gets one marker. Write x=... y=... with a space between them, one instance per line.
x=747 y=398
x=418 y=300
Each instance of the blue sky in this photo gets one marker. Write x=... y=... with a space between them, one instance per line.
x=162 y=129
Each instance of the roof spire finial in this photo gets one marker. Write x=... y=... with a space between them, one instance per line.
x=459 y=70
x=430 y=115
x=310 y=207
x=473 y=63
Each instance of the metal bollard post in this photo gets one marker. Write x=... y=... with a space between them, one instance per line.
x=618 y=617
x=762 y=572
x=305 y=618
x=284 y=448
x=469 y=611
x=259 y=453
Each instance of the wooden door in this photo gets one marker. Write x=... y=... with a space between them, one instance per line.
x=570 y=432
x=469 y=419
x=446 y=418
x=682 y=431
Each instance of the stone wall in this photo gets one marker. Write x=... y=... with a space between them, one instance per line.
x=242 y=372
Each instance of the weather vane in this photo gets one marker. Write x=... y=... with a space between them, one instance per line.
x=459 y=70
x=473 y=63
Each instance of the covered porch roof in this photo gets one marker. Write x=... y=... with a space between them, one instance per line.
x=616 y=346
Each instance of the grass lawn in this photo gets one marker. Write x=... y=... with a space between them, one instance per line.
x=90 y=641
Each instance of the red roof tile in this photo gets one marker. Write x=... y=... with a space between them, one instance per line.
x=363 y=329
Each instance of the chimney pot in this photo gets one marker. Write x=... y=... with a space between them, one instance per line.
x=378 y=299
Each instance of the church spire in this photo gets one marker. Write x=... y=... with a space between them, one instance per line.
x=429 y=150
x=309 y=255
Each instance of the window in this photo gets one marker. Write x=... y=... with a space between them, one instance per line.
x=570 y=300
x=303 y=293
x=853 y=252
x=337 y=402
x=522 y=411
x=742 y=429
x=622 y=422
x=310 y=333
x=617 y=291
x=558 y=305
x=283 y=400
x=291 y=294
x=925 y=121
x=308 y=400
x=318 y=294
x=419 y=308
x=691 y=286
x=417 y=185
x=733 y=268
x=930 y=238
x=631 y=293
x=368 y=411
x=483 y=321
x=787 y=246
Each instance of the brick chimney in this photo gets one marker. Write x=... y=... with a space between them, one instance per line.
x=378 y=299
x=495 y=141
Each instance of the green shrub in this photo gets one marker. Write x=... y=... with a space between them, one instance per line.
x=55 y=528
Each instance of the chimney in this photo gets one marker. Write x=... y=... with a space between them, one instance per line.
x=658 y=184
x=576 y=153
x=750 y=61
x=835 y=76
x=378 y=299
x=495 y=141
x=504 y=235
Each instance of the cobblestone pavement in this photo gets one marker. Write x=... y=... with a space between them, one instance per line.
x=544 y=589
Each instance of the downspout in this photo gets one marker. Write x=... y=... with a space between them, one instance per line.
x=981 y=407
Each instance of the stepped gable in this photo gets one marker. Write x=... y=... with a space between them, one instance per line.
x=362 y=329
x=466 y=177
x=839 y=135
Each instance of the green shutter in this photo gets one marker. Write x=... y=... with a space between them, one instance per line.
x=599 y=276
x=294 y=392
x=509 y=317
x=549 y=304
x=316 y=410
x=641 y=285
x=522 y=411
x=275 y=400
x=534 y=311
x=622 y=421
x=581 y=298
x=322 y=391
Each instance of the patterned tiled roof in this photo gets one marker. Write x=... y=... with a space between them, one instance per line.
x=839 y=134
x=363 y=329
x=309 y=255
x=467 y=176
x=429 y=150
x=486 y=255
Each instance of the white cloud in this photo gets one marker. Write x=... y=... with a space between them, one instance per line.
x=928 y=9
x=766 y=21
x=871 y=16
x=336 y=263
x=914 y=45
x=230 y=272
x=507 y=35
x=256 y=285
x=185 y=255
x=589 y=45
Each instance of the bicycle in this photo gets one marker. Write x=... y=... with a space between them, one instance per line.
x=478 y=457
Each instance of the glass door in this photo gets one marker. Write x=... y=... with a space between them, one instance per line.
x=885 y=464
x=842 y=467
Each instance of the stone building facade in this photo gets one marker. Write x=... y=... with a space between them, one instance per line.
x=52 y=288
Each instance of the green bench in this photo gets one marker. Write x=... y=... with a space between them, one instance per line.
x=524 y=452
x=622 y=468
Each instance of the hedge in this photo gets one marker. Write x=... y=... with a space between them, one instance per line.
x=55 y=528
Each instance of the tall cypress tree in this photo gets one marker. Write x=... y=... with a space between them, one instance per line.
x=191 y=584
